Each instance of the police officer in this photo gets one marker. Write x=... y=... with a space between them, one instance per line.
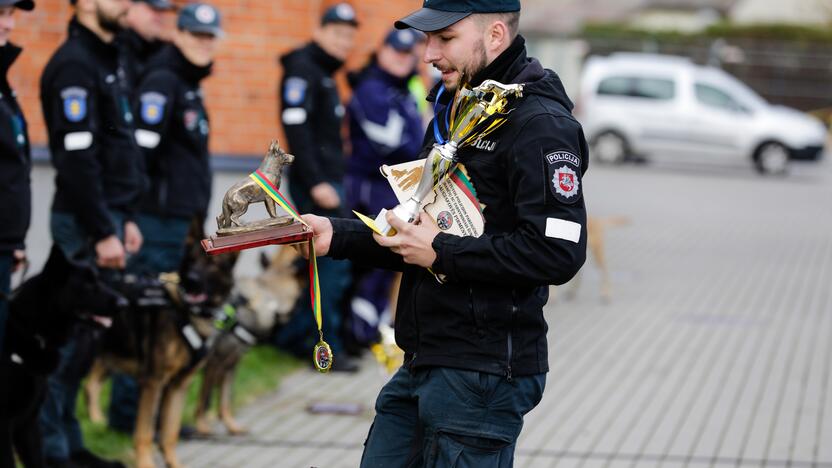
x=476 y=350
x=86 y=104
x=15 y=163
x=312 y=115
x=173 y=130
x=385 y=128
x=141 y=37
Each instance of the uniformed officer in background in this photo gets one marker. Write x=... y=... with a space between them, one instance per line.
x=86 y=104
x=385 y=128
x=312 y=115
x=172 y=129
x=143 y=34
x=15 y=165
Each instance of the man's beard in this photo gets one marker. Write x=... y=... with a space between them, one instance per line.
x=107 y=23
x=479 y=60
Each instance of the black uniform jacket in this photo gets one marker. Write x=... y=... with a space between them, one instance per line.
x=86 y=105
x=15 y=161
x=311 y=113
x=173 y=129
x=488 y=316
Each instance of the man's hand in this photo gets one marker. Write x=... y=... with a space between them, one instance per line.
x=110 y=253
x=132 y=237
x=412 y=241
x=18 y=260
x=321 y=234
x=325 y=196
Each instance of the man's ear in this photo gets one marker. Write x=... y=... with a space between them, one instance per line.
x=497 y=35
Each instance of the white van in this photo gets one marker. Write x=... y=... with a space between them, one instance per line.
x=658 y=105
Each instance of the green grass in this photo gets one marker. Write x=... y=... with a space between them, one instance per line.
x=259 y=373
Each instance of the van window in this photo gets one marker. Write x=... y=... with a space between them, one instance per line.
x=652 y=88
x=715 y=97
x=616 y=86
x=645 y=88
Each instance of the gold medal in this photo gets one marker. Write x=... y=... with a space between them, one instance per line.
x=323 y=357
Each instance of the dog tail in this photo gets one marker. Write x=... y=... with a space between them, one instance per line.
x=610 y=221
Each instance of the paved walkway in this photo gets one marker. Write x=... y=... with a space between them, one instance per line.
x=716 y=350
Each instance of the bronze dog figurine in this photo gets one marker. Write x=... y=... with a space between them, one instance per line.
x=245 y=192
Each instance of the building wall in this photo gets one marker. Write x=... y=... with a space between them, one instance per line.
x=242 y=93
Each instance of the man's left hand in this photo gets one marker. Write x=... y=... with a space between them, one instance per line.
x=132 y=237
x=412 y=241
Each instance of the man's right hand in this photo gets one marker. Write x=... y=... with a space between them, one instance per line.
x=321 y=234
x=325 y=196
x=110 y=253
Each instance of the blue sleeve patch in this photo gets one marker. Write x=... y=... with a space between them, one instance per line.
x=75 y=103
x=294 y=91
x=153 y=107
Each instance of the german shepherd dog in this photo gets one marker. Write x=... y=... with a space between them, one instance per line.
x=164 y=348
x=43 y=311
x=261 y=303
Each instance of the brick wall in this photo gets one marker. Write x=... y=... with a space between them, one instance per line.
x=242 y=92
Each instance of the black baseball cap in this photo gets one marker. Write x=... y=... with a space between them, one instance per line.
x=27 y=5
x=439 y=14
x=161 y=5
x=341 y=13
x=200 y=18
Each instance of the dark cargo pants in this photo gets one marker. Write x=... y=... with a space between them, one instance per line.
x=442 y=418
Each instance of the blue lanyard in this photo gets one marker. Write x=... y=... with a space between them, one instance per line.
x=437 y=135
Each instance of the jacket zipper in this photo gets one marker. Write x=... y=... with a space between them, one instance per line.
x=416 y=322
x=509 y=342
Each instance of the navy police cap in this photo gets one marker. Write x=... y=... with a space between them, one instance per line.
x=200 y=18
x=27 y=5
x=341 y=13
x=403 y=40
x=439 y=14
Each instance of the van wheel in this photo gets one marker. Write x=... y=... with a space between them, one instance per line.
x=610 y=148
x=772 y=158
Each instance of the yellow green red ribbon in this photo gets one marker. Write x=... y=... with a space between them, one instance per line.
x=322 y=354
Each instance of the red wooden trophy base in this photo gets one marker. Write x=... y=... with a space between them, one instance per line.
x=280 y=235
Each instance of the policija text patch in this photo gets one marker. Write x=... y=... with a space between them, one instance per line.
x=563 y=171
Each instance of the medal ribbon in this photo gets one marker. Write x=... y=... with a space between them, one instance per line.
x=322 y=354
x=437 y=135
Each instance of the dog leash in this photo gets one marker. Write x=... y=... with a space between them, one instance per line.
x=322 y=354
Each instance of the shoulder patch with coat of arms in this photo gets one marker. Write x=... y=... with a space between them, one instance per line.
x=294 y=91
x=153 y=107
x=75 y=103
x=563 y=170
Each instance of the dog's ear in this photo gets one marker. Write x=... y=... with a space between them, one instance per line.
x=264 y=261
x=58 y=266
x=285 y=258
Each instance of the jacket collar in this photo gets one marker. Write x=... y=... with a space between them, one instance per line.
x=329 y=63
x=8 y=55
x=91 y=41
x=138 y=45
x=170 y=57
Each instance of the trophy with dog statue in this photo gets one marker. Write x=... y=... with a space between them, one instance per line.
x=234 y=234
x=262 y=186
x=474 y=114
